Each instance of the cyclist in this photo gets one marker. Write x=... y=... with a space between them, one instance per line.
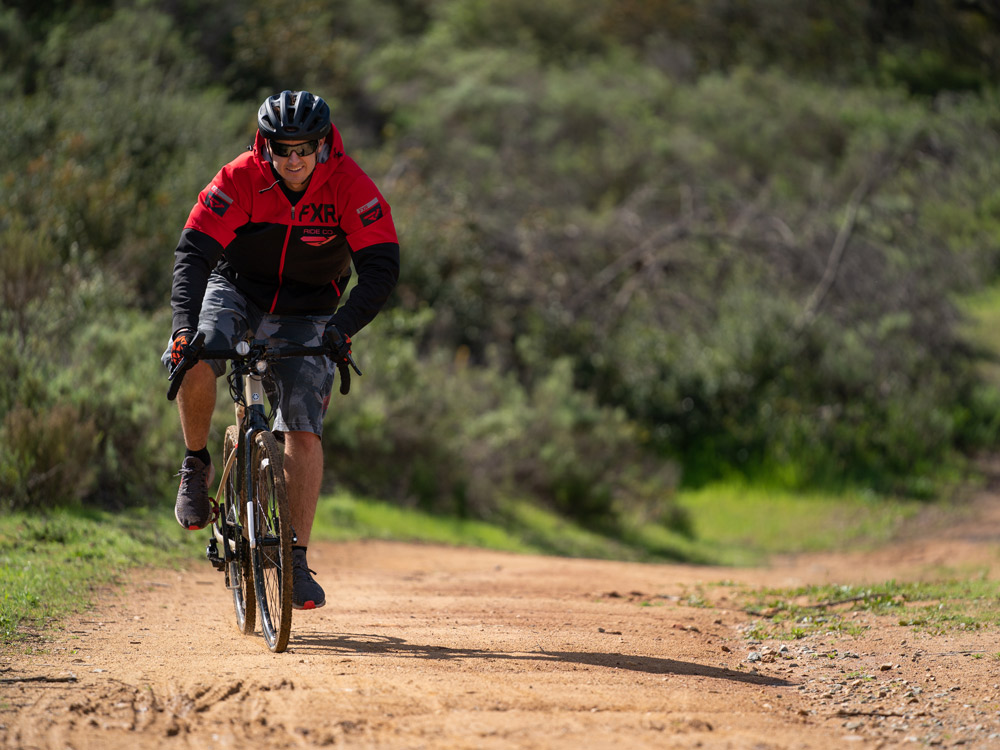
x=267 y=251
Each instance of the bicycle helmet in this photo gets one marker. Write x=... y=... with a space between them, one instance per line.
x=294 y=115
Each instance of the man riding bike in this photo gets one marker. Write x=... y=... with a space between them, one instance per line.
x=267 y=252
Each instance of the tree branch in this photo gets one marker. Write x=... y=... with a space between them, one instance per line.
x=836 y=257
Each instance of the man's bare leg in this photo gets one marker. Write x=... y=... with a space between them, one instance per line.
x=303 y=476
x=196 y=402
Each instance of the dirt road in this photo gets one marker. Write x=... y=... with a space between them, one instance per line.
x=428 y=647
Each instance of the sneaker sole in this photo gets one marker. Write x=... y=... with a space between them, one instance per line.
x=309 y=605
x=186 y=526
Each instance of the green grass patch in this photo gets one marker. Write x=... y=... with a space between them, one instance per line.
x=518 y=526
x=932 y=607
x=733 y=524
x=342 y=517
x=52 y=564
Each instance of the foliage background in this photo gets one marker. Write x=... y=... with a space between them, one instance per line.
x=646 y=243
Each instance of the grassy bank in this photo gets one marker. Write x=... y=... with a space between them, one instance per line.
x=962 y=604
x=51 y=565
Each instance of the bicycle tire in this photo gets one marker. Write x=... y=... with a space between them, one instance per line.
x=272 y=556
x=239 y=573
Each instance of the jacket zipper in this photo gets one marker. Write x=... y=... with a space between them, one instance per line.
x=281 y=264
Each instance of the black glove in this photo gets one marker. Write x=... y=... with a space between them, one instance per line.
x=181 y=340
x=340 y=351
x=340 y=345
x=182 y=353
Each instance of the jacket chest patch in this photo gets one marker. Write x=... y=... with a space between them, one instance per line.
x=318 y=213
x=317 y=236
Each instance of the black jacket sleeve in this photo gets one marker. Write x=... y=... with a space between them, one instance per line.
x=377 y=267
x=195 y=257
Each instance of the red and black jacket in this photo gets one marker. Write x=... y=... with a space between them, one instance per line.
x=290 y=258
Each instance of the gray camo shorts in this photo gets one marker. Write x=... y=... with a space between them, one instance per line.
x=299 y=387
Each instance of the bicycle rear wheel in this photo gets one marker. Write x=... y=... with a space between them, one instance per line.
x=272 y=555
x=239 y=578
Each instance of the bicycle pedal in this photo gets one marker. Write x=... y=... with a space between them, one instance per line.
x=212 y=553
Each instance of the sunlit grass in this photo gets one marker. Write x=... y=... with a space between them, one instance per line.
x=739 y=525
x=935 y=607
x=344 y=517
x=51 y=564
x=731 y=524
x=518 y=526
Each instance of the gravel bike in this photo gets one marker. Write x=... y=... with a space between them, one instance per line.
x=252 y=534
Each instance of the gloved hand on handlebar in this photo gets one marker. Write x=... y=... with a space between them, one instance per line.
x=179 y=344
x=180 y=356
x=340 y=352
x=340 y=345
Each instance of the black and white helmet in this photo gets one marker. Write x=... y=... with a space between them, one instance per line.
x=294 y=115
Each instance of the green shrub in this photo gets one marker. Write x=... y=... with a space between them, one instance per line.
x=48 y=457
x=84 y=413
x=445 y=435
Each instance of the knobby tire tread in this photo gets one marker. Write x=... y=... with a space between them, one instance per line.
x=273 y=581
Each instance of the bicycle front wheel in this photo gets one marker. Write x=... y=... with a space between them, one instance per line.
x=272 y=552
x=232 y=525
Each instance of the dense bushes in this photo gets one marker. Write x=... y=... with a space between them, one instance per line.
x=84 y=418
x=764 y=276
x=436 y=432
x=643 y=243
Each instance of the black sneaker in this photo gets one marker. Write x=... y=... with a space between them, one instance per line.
x=193 y=509
x=306 y=593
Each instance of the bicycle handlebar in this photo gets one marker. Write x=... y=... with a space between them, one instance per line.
x=196 y=351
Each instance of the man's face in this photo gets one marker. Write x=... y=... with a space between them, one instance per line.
x=297 y=167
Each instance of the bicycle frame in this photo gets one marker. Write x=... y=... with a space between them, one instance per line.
x=252 y=420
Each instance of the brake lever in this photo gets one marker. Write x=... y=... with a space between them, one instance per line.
x=353 y=364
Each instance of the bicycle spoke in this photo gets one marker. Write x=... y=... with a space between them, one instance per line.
x=237 y=553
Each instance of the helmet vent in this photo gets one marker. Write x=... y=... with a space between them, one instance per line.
x=295 y=115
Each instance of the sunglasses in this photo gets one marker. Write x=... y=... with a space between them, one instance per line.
x=302 y=149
